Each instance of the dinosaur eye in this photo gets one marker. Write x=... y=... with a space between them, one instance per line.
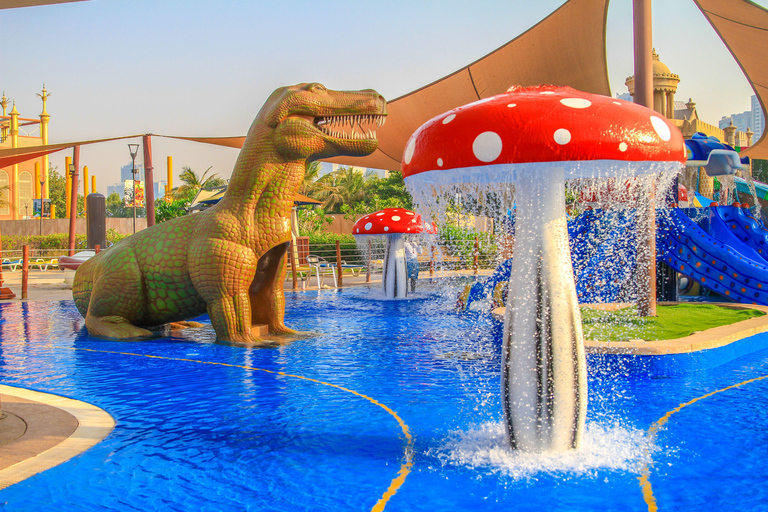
x=318 y=88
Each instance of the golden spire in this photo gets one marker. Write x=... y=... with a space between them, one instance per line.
x=4 y=125
x=44 y=97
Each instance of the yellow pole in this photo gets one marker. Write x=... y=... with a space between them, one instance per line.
x=37 y=181
x=68 y=185
x=15 y=178
x=93 y=184
x=44 y=118
x=85 y=189
x=53 y=211
x=169 y=185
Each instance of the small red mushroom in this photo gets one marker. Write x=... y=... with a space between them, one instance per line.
x=393 y=223
x=536 y=138
x=392 y=220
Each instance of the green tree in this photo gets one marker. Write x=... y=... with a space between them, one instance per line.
x=193 y=182
x=760 y=170
x=391 y=189
x=380 y=193
x=312 y=221
x=116 y=206
x=57 y=185
x=167 y=211
x=345 y=186
x=310 y=186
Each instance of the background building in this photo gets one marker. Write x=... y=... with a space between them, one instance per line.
x=734 y=130
x=22 y=181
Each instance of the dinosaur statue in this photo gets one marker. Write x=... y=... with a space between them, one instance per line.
x=229 y=260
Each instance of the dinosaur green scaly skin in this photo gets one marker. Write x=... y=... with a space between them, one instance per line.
x=229 y=260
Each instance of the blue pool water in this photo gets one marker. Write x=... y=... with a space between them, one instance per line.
x=392 y=405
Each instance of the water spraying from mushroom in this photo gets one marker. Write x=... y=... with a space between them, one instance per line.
x=393 y=224
x=534 y=140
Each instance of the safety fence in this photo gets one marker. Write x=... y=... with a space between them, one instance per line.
x=465 y=254
x=367 y=258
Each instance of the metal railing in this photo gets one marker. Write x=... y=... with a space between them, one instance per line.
x=466 y=254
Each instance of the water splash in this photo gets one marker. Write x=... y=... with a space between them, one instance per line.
x=606 y=446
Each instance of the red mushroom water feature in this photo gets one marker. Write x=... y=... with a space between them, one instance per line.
x=393 y=223
x=537 y=138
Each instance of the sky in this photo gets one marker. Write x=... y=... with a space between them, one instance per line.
x=204 y=68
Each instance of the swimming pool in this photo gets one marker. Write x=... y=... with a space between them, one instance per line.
x=394 y=406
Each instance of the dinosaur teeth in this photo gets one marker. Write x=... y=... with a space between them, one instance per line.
x=352 y=127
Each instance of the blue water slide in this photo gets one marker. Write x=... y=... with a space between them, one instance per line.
x=727 y=223
x=730 y=267
x=482 y=289
x=604 y=254
x=601 y=269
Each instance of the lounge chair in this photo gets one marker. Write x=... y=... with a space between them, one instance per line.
x=11 y=265
x=321 y=266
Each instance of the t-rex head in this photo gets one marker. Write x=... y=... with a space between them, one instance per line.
x=310 y=122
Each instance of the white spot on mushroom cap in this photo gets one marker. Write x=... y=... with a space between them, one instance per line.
x=439 y=162
x=409 y=150
x=512 y=105
x=623 y=147
x=547 y=92
x=616 y=103
x=562 y=136
x=380 y=214
x=576 y=102
x=410 y=213
x=661 y=128
x=386 y=228
x=395 y=218
x=449 y=118
x=487 y=146
x=368 y=226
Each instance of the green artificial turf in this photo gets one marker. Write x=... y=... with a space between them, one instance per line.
x=672 y=322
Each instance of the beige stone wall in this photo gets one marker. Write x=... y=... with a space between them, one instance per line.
x=49 y=227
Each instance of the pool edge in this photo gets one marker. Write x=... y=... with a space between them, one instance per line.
x=94 y=424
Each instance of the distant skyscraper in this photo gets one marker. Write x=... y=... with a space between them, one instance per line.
x=125 y=172
x=740 y=121
x=626 y=96
x=758 y=119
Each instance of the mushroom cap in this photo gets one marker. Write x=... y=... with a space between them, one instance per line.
x=390 y=221
x=589 y=135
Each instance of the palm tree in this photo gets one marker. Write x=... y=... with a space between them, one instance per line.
x=310 y=186
x=346 y=185
x=351 y=184
x=193 y=182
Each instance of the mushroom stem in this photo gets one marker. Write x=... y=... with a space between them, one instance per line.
x=544 y=385
x=395 y=280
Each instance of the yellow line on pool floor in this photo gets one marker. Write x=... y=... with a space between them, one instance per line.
x=645 y=472
x=405 y=465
